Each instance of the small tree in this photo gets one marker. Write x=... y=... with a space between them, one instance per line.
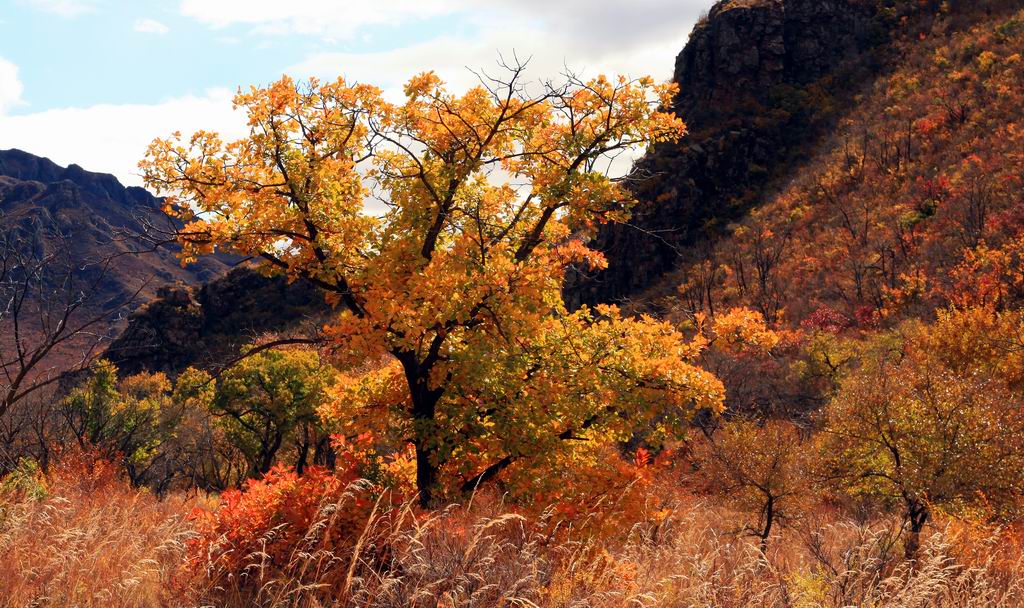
x=451 y=324
x=272 y=398
x=915 y=428
x=137 y=417
x=761 y=468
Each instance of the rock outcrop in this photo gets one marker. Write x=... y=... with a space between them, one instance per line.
x=205 y=326
x=744 y=49
x=757 y=79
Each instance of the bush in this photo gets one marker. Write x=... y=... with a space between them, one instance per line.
x=286 y=530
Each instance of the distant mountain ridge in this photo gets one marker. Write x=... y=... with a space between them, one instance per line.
x=163 y=317
x=48 y=206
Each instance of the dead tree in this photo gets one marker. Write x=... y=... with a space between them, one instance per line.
x=54 y=316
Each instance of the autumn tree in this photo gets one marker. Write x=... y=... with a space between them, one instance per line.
x=761 y=468
x=920 y=427
x=273 y=397
x=450 y=321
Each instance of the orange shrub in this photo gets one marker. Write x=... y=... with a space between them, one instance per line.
x=271 y=515
x=84 y=471
x=607 y=496
x=291 y=528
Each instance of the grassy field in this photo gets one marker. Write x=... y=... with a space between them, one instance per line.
x=79 y=536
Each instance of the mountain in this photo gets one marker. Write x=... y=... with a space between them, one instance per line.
x=912 y=202
x=90 y=219
x=851 y=167
x=763 y=85
x=164 y=317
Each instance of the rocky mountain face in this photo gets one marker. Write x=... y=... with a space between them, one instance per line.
x=89 y=219
x=746 y=48
x=758 y=80
x=205 y=325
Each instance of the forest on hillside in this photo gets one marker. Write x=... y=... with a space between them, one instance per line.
x=821 y=403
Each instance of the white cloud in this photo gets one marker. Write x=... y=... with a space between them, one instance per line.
x=586 y=37
x=10 y=86
x=331 y=18
x=589 y=36
x=64 y=8
x=150 y=26
x=594 y=23
x=113 y=138
x=453 y=58
x=604 y=25
x=595 y=36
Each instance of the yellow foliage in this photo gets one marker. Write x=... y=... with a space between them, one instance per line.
x=452 y=292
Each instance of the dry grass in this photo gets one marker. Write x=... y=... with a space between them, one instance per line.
x=486 y=556
x=109 y=545
x=89 y=542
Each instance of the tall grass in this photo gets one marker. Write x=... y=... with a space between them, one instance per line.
x=105 y=544
x=82 y=537
x=486 y=555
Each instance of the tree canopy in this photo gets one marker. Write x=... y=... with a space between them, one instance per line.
x=450 y=316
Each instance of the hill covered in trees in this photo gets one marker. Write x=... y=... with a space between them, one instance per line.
x=766 y=88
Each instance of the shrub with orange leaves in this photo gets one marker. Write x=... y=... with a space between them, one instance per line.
x=742 y=330
x=760 y=468
x=84 y=471
x=270 y=516
x=273 y=527
x=609 y=493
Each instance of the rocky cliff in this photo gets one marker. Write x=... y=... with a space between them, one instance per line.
x=758 y=80
x=204 y=326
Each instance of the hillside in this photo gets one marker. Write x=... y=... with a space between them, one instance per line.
x=765 y=86
x=73 y=264
x=48 y=207
x=164 y=316
x=759 y=84
x=911 y=203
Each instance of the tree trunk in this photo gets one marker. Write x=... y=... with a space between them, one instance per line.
x=917 y=515
x=424 y=409
x=424 y=406
x=324 y=454
x=769 y=520
x=267 y=453
x=303 y=449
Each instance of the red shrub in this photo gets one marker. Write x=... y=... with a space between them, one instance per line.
x=272 y=518
x=83 y=471
x=827 y=319
x=287 y=527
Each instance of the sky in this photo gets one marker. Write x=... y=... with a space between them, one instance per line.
x=92 y=82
